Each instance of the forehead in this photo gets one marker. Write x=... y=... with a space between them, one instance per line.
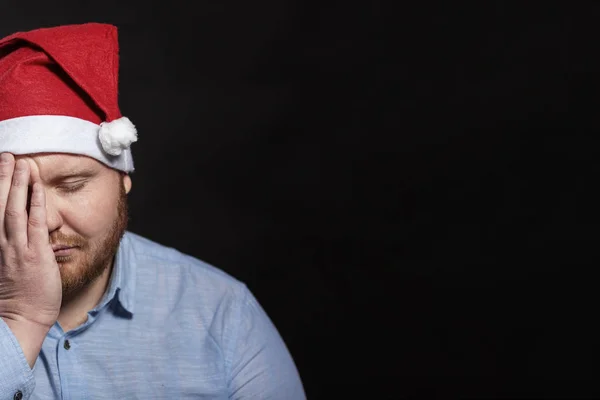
x=50 y=164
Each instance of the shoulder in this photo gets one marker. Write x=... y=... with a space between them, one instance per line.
x=173 y=276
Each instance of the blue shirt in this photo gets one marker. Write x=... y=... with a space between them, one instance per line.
x=168 y=327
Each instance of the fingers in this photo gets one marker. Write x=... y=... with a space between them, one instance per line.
x=34 y=171
x=15 y=223
x=36 y=228
x=34 y=176
x=7 y=165
x=15 y=215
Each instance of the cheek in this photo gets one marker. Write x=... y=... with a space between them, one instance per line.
x=91 y=215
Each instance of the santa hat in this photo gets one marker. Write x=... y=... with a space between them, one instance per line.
x=58 y=93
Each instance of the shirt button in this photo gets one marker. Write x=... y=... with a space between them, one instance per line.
x=18 y=395
x=67 y=345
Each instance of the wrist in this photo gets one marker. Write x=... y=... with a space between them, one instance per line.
x=30 y=336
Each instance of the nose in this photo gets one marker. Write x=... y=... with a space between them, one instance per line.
x=54 y=218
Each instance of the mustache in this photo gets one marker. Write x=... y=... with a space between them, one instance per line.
x=59 y=239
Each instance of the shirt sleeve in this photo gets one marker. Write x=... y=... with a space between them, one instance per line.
x=260 y=365
x=15 y=373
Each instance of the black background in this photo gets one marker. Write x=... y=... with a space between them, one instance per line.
x=409 y=192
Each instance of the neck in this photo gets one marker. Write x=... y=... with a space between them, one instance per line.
x=74 y=309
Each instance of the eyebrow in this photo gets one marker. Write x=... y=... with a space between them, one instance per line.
x=82 y=173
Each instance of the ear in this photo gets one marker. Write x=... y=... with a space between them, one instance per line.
x=127 y=182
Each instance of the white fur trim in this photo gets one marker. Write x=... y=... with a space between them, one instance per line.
x=59 y=134
x=117 y=135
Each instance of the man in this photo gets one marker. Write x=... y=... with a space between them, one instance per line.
x=87 y=308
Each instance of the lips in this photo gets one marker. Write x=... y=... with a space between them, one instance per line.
x=64 y=251
x=62 y=247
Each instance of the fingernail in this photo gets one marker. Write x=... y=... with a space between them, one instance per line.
x=4 y=157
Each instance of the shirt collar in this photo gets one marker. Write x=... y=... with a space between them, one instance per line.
x=122 y=281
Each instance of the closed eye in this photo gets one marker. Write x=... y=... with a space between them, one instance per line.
x=72 y=188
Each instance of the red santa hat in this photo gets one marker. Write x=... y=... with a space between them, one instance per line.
x=58 y=93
